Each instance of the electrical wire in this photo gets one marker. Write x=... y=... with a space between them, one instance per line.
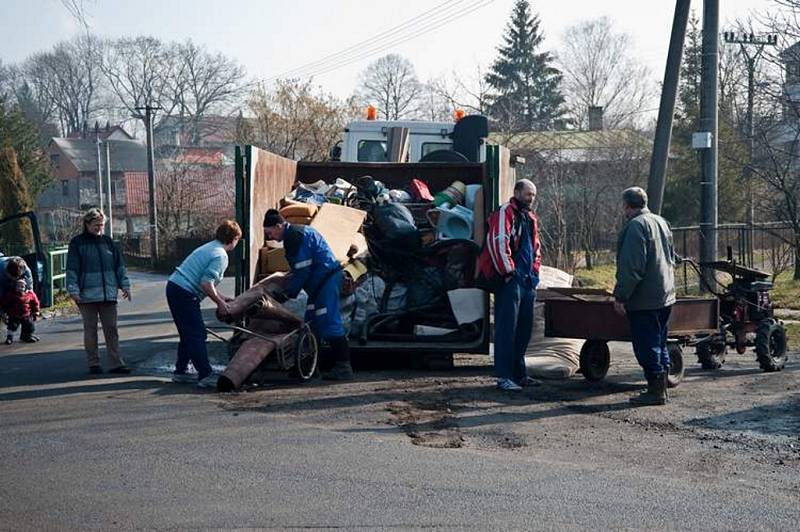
x=408 y=24
x=434 y=23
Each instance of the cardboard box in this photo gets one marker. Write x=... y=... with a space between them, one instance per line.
x=273 y=260
x=338 y=225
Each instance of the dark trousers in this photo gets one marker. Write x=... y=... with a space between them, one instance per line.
x=649 y=338
x=185 y=309
x=27 y=326
x=513 y=324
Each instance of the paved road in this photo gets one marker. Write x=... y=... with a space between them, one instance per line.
x=140 y=452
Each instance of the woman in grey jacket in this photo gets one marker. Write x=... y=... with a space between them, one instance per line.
x=95 y=273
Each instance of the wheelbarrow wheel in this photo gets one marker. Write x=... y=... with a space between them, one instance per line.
x=595 y=360
x=306 y=354
x=676 y=367
x=771 y=345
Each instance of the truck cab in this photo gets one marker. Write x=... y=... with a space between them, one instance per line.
x=463 y=140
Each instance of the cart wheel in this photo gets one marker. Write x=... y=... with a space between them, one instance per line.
x=771 y=345
x=676 y=368
x=595 y=359
x=306 y=351
x=711 y=355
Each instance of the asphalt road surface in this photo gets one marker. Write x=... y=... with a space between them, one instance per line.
x=395 y=449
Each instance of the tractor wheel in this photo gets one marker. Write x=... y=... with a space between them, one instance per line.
x=676 y=367
x=711 y=355
x=771 y=345
x=306 y=352
x=595 y=360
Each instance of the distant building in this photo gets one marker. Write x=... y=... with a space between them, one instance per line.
x=75 y=166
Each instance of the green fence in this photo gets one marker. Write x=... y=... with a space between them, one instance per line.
x=56 y=273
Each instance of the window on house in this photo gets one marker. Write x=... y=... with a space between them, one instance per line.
x=54 y=159
x=65 y=187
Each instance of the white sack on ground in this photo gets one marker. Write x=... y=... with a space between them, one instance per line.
x=551 y=358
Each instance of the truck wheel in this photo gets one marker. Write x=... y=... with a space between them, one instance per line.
x=306 y=351
x=771 y=345
x=595 y=360
x=711 y=355
x=676 y=367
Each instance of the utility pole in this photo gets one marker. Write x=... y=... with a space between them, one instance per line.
x=666 y=109
x=99 y=166
x=110 y=195
x=709 y=129
x=151 y=181
x=759 y=42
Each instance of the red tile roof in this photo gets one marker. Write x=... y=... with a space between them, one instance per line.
x=213 y=188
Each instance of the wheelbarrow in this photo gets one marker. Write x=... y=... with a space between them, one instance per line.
x=296 y=352
x=589 y=314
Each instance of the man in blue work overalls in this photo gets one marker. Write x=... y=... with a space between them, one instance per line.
x=315 y=270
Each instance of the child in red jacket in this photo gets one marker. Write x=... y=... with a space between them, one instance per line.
x=21 y=307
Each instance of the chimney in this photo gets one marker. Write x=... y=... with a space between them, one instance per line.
x=595 y=118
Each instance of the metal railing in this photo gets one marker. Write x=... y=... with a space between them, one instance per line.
x=56 y=273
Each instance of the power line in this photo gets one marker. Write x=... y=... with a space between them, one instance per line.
x=436 y=24
x=442 y=19
x=410 y=23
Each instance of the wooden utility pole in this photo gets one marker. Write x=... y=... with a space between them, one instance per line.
x=151 y=181
x=666 y=109
x=708 y=125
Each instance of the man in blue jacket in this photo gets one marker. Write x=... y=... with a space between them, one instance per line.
x=315 y=270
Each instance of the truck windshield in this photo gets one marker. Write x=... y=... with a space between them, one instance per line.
x=372 y=151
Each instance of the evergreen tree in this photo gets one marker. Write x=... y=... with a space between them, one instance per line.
x=20 y=135
x=526 y=85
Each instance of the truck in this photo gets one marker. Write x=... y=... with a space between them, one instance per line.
x=439 y=154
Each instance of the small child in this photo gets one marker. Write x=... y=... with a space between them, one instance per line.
x=21 y=307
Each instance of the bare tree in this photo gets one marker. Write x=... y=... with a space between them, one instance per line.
x=213 y=83
x=599 y=70
x=63 y=82
x=295 y=120
x=471 y=93
x=142 y=71
x=391 y=83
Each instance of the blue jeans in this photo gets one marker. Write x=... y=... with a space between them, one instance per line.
x=185 y=309
x=649 y=338
x=513 y=324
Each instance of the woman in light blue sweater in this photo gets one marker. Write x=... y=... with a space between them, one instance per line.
x=198 y=277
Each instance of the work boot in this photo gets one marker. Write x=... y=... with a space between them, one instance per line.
x=341 y=371
x=656 y=393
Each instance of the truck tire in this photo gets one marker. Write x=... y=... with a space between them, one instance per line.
x=595 y=360
x=676 y=367
x=771 y=345
x=711 y=355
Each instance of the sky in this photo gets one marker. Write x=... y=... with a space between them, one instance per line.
x=271 y=37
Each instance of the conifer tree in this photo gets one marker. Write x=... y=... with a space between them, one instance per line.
x=525 y=83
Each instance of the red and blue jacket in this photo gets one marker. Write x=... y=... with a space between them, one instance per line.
x=506 y=229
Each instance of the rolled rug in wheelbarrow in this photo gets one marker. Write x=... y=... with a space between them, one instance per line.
x=250 y=354
x=245 y=300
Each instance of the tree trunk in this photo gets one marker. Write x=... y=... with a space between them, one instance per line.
x=796 y=276
x=588 y=258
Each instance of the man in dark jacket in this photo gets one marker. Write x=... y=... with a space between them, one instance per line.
x=95 y=273
x=645 y=290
